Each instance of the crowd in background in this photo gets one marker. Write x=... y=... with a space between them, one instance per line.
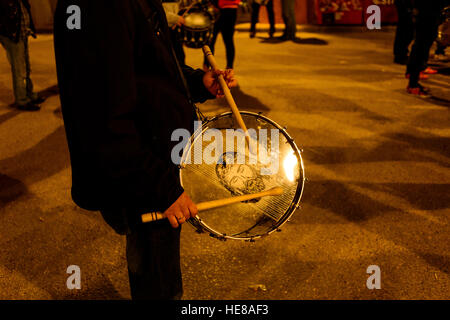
x=418 y=21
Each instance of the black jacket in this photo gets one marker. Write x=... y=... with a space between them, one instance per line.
x=10 y=18
x=122 y=96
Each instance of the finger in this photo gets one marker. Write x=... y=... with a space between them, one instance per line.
x=173 y=221
x=229 y=73
x=193 y=210
x=186 y=212
x=181 y=220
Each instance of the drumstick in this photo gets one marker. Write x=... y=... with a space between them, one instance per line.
x=153 y=216
x=227 y=93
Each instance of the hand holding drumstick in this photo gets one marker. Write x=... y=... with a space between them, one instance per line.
x=184 y=208
x=211 y=81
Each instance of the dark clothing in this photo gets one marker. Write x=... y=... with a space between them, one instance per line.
x=11 y=19
x=405 y=29
x=255 y=15
x=178 y=46
x=426 y=26
x=153 y=255
x=225 y=24
x=122 y=95
x=288 y=14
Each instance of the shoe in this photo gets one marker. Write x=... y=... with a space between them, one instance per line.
x=252 y=34
x=38 y=100
x=422 y=76
x=401 y=60
x=282 y=38
x=429 y=70
x=418 y=91
x=30 y=106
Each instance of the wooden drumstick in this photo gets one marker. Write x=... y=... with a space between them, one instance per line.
x=154 y=216
x=227 y=93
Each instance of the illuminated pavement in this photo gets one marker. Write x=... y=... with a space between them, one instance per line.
x=376 y=158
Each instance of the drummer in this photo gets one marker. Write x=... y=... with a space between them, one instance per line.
x=122 y=95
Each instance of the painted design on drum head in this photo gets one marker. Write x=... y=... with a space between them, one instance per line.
x=239 y=178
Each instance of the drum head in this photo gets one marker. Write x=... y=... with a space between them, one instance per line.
x=198 y=27
x=216 y=164
x=197 y=20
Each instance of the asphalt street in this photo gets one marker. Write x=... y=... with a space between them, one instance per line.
x=377 y=162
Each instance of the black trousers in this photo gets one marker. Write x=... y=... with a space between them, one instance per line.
x=225 y=25
x=427 y=22
x=255 y=14
x=404 y=34
x=153 y=255
x=288 y=14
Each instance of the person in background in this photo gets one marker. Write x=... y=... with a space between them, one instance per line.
x=288 y=13
x=426 y=26
x=256 y=5
x=225 y=25
x=404 y=34
x=172 y=8
x=16 y=25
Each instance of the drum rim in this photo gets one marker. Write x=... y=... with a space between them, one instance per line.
x=201 y=226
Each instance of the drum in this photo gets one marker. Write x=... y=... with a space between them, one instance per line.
x=198 y=28
x=443 y=37
x=217 y=163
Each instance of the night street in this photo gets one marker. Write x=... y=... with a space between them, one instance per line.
x=377 y=162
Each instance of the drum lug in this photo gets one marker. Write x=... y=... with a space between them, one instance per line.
x=251 y=240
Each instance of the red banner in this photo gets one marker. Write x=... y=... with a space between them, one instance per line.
x=353 y=12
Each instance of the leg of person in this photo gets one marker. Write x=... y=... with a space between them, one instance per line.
x=291 y=18
x=271 y=15
x=33 y=96
x=254 y=19
x=426 y=24
x=228 y=34
x=285 y=16
x=153 y=255
x=404 y=32
x=218 y=25
x=17 y=59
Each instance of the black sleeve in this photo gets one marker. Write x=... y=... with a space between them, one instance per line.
x=194 y=78
x=98 y=94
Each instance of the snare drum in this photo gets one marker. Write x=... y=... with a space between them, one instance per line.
x=229 y=172
x=198 y=27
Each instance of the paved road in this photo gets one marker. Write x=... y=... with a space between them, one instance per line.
x=377 y=161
